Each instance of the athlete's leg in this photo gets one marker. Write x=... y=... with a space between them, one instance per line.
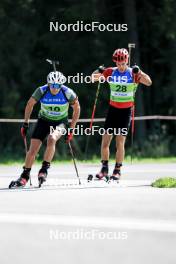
x=48 y=155
x=51 y=145
x=33 y=150
x=120 y=148
x=106 y=140
x=30 y=157
x=120 y=153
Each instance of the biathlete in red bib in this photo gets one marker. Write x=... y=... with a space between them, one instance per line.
x=123 y=81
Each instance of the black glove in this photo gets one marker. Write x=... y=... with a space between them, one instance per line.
x=135 y=69
x=136 y=73
x=24 y=129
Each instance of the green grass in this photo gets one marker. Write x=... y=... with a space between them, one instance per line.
x=136 y=160
x=167 y=182
x=151 y=160
x=94 y=160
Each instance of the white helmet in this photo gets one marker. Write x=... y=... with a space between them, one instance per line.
x=56 y=77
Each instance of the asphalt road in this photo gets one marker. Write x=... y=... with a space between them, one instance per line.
x=62 y=222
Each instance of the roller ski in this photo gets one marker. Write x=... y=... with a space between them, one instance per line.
x=22 y=181
x=42 y=175
x=91 y=178
x=102 y=175
x=116 y=173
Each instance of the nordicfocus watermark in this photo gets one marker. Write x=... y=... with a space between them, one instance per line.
x=81 y=234
x=89 y=27
x=81 y=78
x=79 y=130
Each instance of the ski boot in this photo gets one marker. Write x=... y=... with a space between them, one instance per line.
x=43 y=172
x=22 y=181
x=116 y=173
x=103 y=174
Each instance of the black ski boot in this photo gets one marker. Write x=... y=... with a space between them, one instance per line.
x=22 y=181
x=104 y=171
x=116 y=172
x=43 y=172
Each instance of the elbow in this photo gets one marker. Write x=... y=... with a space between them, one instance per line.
x=77 y=108
x=31 y=102
x=28 y=103
x=149 y=83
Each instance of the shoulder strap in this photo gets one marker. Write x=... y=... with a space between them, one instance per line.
x=64 y=94
x=45 y=92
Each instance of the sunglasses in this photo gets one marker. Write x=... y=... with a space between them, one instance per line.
x=55 y=85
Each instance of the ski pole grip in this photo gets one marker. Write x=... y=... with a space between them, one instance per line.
x=101 y=68
x=135 y=69
x=24 y=129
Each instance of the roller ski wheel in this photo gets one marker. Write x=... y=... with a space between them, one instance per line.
x=102 y=176
x=20 y=183
x=41 y=178
x=116 y=173
x=92 y=178
x=115 y=177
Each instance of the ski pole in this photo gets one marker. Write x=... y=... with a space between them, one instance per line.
x=92 y=116
x=74 y=161
x=26 y=150
x=131 y=46
x=95 y=104
x=132 y=132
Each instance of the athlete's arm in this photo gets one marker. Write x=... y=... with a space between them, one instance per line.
x=28 y=109
x=144 y=79
x=76 y=113
x=101 y=72
x=95 y=77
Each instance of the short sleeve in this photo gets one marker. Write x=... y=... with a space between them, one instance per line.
x=37 y=94
x=71 y=95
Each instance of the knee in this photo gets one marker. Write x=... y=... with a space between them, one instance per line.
x=105 y=144
x=32 y=152
x=120 y=144
x=51 y=140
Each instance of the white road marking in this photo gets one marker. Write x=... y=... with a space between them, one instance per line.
x=86 y=221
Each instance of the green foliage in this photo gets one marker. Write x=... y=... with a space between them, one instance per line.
x=167 y=182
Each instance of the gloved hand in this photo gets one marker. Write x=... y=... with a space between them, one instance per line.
x=24 y=129
x=136 y=73
x=69 y=135
x=101 y=68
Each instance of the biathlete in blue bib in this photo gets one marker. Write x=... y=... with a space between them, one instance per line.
x=123 y=82
x=55 y=99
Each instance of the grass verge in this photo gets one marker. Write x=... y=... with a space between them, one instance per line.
x=167 y=182
x=95 y=160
